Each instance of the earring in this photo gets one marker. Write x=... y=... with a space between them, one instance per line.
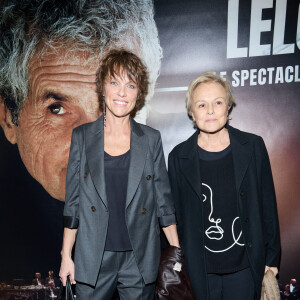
x=104 y=113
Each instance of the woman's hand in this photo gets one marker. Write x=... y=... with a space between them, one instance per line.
x=67 y=264
x=273 y=269
x=67 y=269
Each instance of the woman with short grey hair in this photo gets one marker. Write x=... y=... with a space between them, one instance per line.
x=224 y=197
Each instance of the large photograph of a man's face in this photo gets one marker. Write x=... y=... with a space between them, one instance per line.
x=49 y=57
x=50 y=51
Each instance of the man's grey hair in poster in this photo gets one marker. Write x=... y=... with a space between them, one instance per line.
x=91 y=26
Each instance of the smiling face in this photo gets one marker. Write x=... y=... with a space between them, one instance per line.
x=62 y=96
x=209 y=108
x=120 y=94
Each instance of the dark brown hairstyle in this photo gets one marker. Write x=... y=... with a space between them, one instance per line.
x=117 y=63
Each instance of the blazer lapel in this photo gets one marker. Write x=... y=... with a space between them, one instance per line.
x=94 y=140
x=241 y=154
x=138 y=154
x=189 y=164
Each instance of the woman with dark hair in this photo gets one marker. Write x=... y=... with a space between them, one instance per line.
x=224 y=197
x=117 y=191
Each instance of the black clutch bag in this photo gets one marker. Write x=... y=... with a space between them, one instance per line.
x=172 y=280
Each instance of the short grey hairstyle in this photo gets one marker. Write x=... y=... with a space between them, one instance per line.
x=208 y=77
x=30 y=27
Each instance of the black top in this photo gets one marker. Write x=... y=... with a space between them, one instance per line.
x=116 y=170
x=224 y=242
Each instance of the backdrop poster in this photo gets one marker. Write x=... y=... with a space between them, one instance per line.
x=255 y=45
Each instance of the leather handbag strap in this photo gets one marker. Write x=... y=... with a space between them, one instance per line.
x=69 y=293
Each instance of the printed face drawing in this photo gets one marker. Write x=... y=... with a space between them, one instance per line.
x=213 y=232
x=216 y=231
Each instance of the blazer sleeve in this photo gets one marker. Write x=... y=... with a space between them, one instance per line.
x=270 y=217
x=70 y=218
x=175 y=190
x=166 y=211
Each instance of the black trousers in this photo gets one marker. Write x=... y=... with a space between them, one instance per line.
x=233 y=286
x=118 y=270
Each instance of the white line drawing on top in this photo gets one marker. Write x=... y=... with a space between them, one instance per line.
x=216 y=232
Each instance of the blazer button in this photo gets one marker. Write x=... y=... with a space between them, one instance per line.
x=242 y=193
x=93 y=208
x=85 y=175
x=249 y=244
x=247 y=220
x=144 y=210
x=148 y=177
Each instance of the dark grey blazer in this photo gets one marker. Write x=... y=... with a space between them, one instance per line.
x=256 y=205
x=148 y=199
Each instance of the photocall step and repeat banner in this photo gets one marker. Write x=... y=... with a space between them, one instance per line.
x=254 y=44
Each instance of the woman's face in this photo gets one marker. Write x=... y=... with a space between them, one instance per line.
x=120 y=94
x=209 y=107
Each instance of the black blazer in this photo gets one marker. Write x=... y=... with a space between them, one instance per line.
x=256 y=205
